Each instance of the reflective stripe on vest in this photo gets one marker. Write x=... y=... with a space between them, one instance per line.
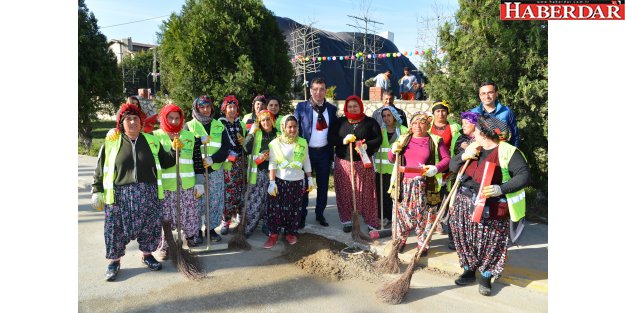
x=111 y=148
x=387 y=166
x=299 y=153
x=516 y=200
x=258 y=138
x=439 y=176
x=216 y=130
x=187 y=174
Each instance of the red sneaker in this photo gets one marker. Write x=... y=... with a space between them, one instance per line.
x=271 y=241
x=291 y=239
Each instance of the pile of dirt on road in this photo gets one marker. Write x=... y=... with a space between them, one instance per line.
x=322 y=257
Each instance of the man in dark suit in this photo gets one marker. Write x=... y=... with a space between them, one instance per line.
x=315 y=117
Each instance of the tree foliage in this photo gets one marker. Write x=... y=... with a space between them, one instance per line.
x=137 y=70
x=480 y=47
x=99 y=80
x=218 y=47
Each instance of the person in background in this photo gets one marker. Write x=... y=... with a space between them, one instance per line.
x=235 y=164
x=490 y=106
x=127 y=185
x=482 y=246
x=214 y=150
x=289 y=167
x=258 y=104
x=387 y=101
x=384 y=80
x=314 y=117
x=355 y=125
x=256 y=145
x=391 y=130
x=273 y=105
x=408 y=85
x=148 y=121
x=427 y=155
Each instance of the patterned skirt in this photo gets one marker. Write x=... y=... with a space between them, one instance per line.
x=234 y=181
x=216 y=189
x=480 y=246
x=414 y=212
x=136 y=214
x=284 y=209
x=366 y=197
x=189 y=210
x=257 y=201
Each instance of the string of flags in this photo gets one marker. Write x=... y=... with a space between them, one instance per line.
x=358 y=56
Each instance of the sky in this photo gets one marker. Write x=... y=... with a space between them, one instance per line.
x=412 y=22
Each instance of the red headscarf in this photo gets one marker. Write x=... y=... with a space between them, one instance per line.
x=128 y=109
x=165 y=125
x=354 y=118
x=230 y=99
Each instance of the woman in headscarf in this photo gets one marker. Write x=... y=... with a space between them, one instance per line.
x=235 y=164
x=127 y=183
x=171 y=121
x=391 y=130
x=424 y=156
x=483 y=245
x=258 y=104
x=256 y=145
x=273 y=105
x=355 y=125
x=214 y=138
x=289 y=165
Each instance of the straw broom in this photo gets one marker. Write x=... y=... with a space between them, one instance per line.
x=394 y=292
x=390 y=264
x=357 y=234
x=186 y=263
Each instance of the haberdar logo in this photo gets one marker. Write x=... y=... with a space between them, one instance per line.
x=512 y=10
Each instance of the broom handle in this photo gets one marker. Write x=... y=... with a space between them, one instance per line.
x=396 y=200
x=351 y=176
x=381 y=193
x=441 y=212
x=179 y=240
x=207 y=200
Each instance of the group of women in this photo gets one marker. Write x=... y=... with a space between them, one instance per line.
x=136 y=180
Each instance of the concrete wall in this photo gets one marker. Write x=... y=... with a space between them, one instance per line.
x=410 y=107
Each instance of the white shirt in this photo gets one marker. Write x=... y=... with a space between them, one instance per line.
x=290 y=174
x=319 y=138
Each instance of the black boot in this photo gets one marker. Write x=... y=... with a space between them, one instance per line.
x=468 y=277
x=485 y=286
x=213 y=236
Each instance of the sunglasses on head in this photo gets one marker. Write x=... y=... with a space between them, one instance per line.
x=204 y=104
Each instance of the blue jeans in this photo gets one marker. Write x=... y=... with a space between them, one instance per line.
x=320 y=161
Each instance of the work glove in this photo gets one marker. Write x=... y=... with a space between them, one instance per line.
x=364 y=146
x=311 y=184
x=272 y=190
x=177 y=144
x=491 y=191
x=207 y=161
x=97 y=201
x=205 y=139
x=198 y=191
x=430 y=170
x=112 y=134
x=253 y=128
x=471 y=152
x=349 y=138
x=240 y=139
x=396 y=147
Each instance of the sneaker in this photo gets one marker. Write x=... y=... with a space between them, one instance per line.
x=291 y=239
x=213 y=236
x=485 y=287
x=451 y=246
x=271 y=241
x=152 y=263
x=468 y=277
x=112 y=270
x=192 y=242
x=224 y=228
x=347 y=228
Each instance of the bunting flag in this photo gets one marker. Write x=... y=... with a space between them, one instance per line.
x=359 y=56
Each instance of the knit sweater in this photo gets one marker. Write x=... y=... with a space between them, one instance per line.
x=418 y=152
x=367 y=129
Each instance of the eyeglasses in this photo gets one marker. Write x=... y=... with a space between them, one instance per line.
x=490 y=93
